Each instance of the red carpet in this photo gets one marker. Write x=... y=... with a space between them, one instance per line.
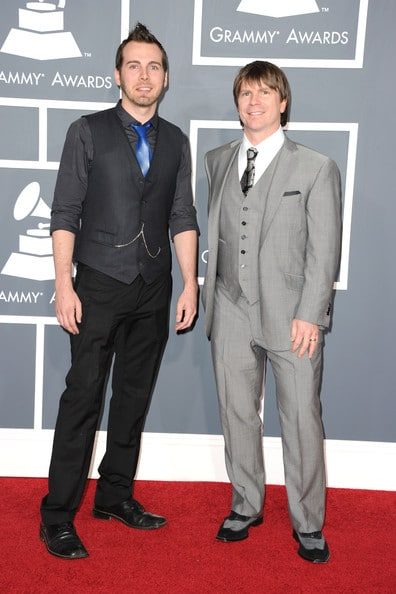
x=184 y=558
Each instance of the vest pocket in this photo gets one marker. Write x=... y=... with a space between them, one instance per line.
x=103 y=237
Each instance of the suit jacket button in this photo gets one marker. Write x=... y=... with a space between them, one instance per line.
x=243 y=222
x=243 y=251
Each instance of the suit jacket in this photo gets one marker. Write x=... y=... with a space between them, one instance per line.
x=298 y=239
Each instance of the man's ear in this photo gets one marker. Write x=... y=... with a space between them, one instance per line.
x=117 y=77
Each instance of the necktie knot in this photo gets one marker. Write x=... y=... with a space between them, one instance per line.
x=143 y=149
x=247 y=179
x=251 y=153
x=141 y=129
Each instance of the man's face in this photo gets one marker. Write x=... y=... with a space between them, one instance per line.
x=142 y=77
x=260 y=108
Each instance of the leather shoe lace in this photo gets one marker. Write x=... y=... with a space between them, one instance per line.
x=131 y=513
x=63 y=541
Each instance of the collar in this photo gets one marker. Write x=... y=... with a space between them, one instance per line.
x=270 y=145
x=127 y=120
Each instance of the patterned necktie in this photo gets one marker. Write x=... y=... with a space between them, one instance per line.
x=143 y=149
x=247 y=179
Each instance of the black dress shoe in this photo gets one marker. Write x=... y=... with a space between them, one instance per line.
x=131 y=513
x=229 y=535
x=315 y=555
x=63 y=541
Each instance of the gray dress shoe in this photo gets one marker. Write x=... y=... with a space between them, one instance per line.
x=236 y=527
x=313 y=546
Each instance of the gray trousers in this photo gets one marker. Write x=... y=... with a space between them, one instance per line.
x=239 y=359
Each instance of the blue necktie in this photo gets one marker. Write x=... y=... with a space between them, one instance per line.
x=143 y=150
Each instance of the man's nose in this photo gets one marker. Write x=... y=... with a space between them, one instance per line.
x=143 y=73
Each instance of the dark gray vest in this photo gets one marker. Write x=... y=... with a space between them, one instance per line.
x=124 y=221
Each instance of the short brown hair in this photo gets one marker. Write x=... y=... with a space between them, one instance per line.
x=142 y=34
x=271 y=75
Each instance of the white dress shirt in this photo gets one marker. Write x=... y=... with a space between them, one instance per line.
x=267 y=149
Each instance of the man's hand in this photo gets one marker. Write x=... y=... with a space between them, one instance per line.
x=186 y=308
x=67 y=304
x=68 y=308
x=304 y=337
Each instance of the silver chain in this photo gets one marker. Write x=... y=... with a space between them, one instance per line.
x=140 y=234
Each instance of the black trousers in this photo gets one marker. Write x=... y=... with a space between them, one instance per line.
x=131 y=321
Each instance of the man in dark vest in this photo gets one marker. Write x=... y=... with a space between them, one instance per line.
x=123 y=185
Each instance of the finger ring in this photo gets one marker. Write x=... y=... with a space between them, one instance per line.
x=313 y=339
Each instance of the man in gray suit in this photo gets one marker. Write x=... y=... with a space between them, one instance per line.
x=274 y=242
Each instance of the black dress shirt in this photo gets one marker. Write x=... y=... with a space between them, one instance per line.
x=77 y=156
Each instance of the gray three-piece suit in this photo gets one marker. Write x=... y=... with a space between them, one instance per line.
x=273 y=256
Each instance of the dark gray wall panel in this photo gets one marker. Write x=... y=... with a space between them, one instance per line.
x=17 y=372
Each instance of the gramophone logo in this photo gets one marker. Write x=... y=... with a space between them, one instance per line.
x=278 y=8
x=34 y=258
x=41 y=34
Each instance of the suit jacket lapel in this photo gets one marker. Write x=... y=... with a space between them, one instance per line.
x=224 y=166
x=278 y=183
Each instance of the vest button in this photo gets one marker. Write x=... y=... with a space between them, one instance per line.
x=243 y=265
x=243 y=236
x=243 y=251
x=245 y=208
x=243 y=222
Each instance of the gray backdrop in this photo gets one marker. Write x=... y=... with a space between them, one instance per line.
x=342 y=79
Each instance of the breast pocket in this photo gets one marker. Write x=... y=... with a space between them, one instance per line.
x=291 y=193
x=292 y=210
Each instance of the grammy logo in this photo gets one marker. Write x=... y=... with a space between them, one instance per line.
x=41 y=34
x=34 y=259
x=278 y=8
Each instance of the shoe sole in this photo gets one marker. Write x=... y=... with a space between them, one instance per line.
x=219 y=538
x=42 y=537
x=257 y=522
x=100 y=515
x=315 y=561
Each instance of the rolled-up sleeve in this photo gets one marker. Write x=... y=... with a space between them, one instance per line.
x=183 y=215
x=72 y=181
